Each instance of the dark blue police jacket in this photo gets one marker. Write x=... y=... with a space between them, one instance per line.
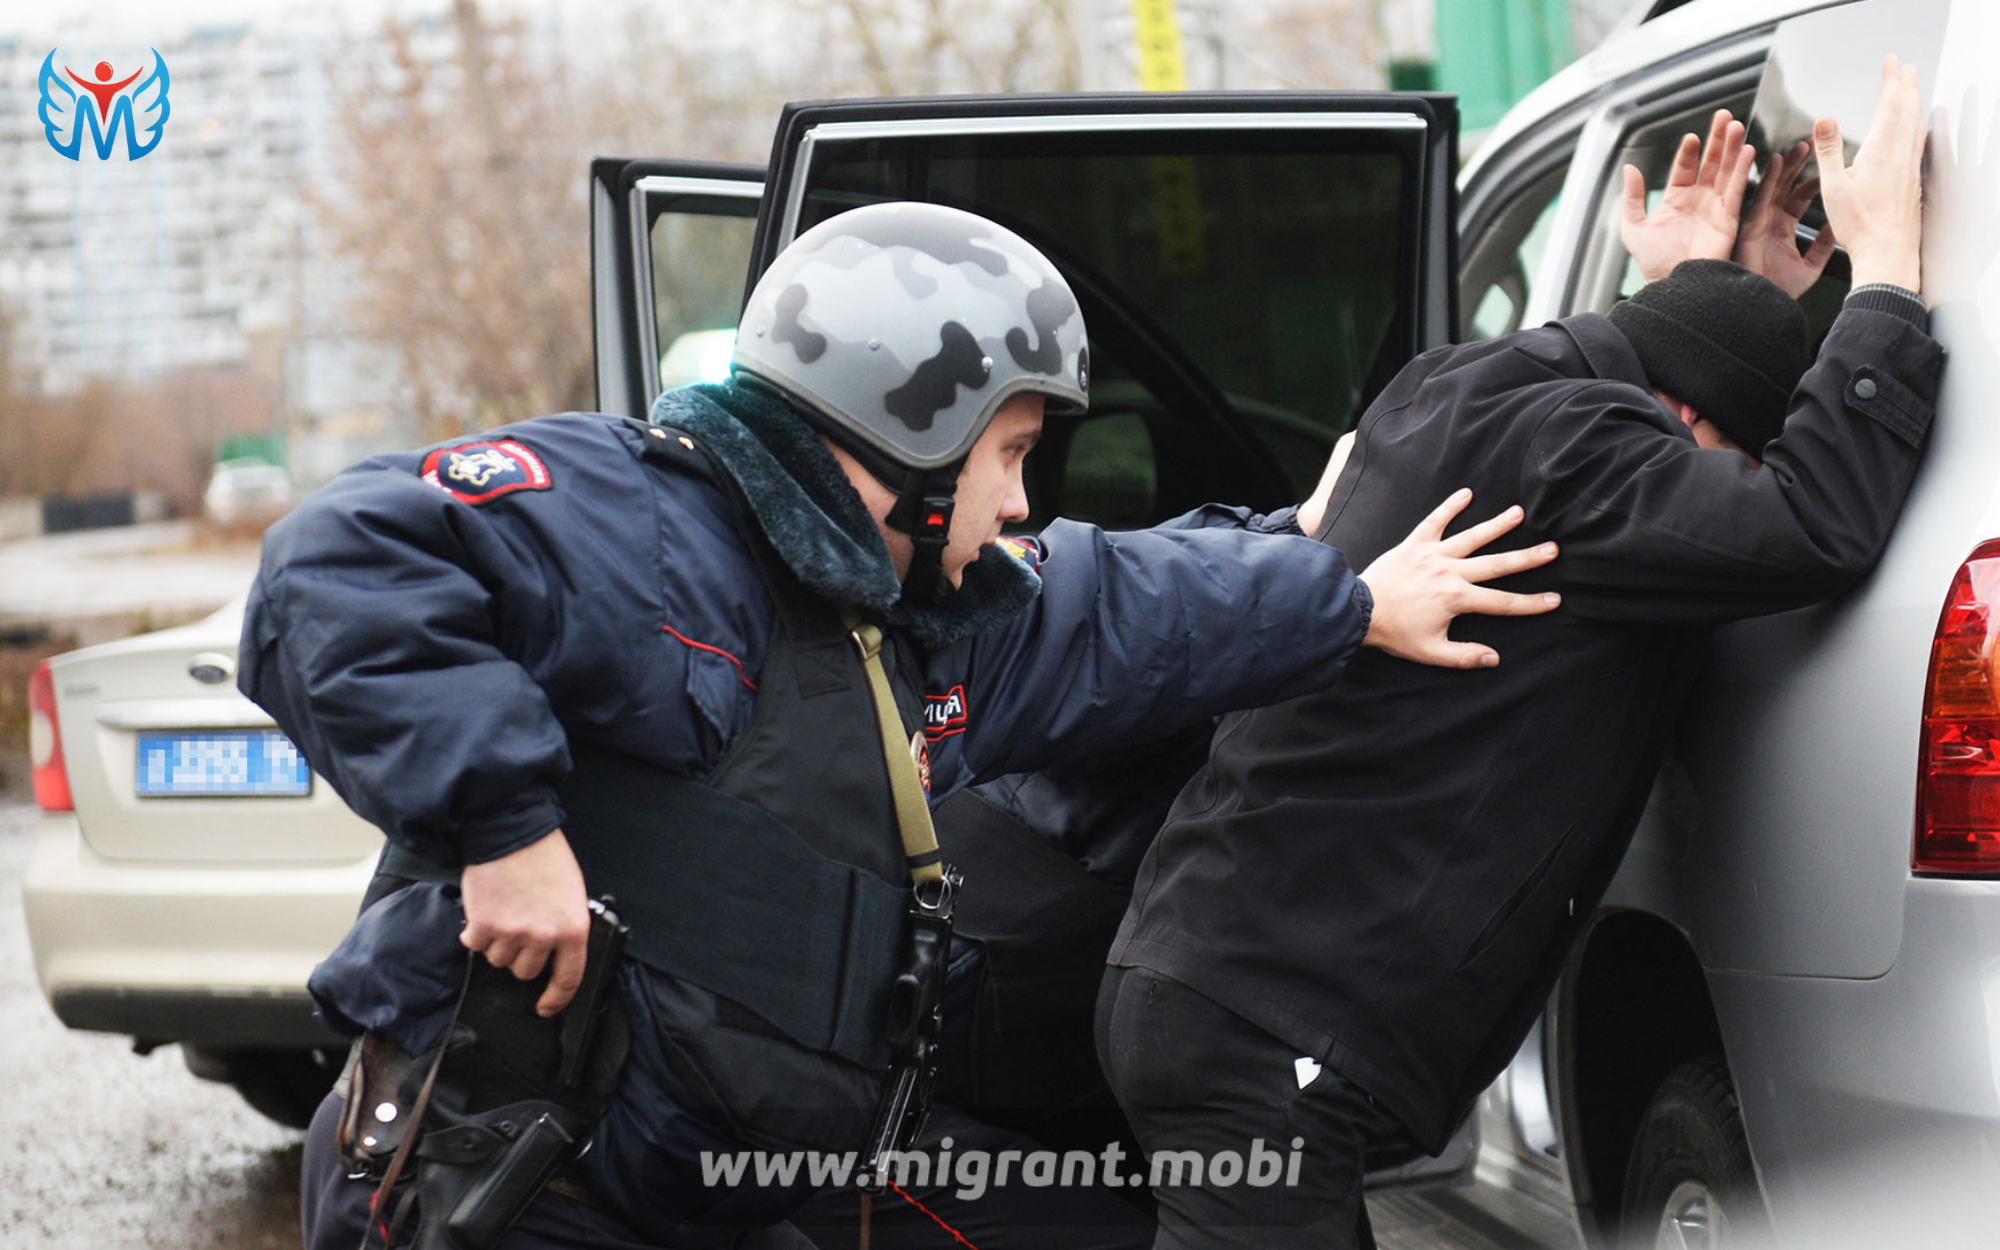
x=434 y=628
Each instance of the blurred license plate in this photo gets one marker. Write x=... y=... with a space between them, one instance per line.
x=244 y=762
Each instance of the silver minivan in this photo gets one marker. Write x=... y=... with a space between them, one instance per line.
x=1796 y=974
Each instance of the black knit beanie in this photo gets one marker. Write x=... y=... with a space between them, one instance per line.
x=1723 y=339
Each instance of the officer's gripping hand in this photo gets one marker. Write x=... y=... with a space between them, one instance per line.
x=1876 y=204
x=1698 y=216
x=526 y=911
x=1422 y=583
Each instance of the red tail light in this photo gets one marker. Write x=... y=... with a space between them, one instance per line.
x=45 y=743
x=1958 y=779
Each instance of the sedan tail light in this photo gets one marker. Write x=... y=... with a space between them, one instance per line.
x=45 y=743
x=1958 y=771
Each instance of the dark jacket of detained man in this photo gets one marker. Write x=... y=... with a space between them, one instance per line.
x=1387 y=874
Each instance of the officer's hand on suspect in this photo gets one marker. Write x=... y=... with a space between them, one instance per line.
x=1423 y=582
x=1876 y=204
x=527 y=910
x=1768 y=244
x=1698 y=216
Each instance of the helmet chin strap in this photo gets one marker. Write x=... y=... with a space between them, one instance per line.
x=924 y=500
x=923 y=511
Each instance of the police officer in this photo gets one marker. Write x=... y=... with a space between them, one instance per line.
x=579 y=655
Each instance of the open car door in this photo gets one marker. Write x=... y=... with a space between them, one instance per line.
x=1253 y=268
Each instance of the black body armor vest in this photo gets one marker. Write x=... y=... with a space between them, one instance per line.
x=778 y=883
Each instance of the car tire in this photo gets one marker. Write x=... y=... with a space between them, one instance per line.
x=282 y=1085
x=1690 y=1184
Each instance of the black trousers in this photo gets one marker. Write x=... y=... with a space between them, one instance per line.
x=1218 y=1096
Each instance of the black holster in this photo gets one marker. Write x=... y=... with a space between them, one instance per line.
x=501 y=1119
x=476 y=1177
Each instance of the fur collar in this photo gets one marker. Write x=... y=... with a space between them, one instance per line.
x=815 y=520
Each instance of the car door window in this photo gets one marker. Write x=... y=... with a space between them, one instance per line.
x=1502 y=264
x=1219 y=270
x=1247 y=289
x=1821 y=303
x=701 y=249
x=1607 y=273
x=1112 y=464
x=1822 y=62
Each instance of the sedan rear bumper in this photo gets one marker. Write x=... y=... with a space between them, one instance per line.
x=183 y=951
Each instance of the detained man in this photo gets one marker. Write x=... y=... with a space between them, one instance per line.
x=1356 y=910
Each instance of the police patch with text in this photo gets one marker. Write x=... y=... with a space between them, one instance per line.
x=479 y=473
x=944 y=714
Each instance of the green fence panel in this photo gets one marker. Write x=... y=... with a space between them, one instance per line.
x=1493 y=52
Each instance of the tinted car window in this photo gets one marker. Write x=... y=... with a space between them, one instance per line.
x=1241 y=290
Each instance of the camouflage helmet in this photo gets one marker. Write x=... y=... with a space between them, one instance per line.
x=905 y=326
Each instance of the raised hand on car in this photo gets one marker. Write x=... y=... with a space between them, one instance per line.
x=1422 y=583
x=1768 y=243
x=1876 y=204
x=1698 y=216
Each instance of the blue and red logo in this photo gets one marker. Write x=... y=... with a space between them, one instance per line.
x=104 y=105
x=482 y=472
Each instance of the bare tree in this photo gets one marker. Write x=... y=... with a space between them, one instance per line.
x=462 y=205
x=458 y=210
x=905 y=47
x=1316 y=44
x=46 y=443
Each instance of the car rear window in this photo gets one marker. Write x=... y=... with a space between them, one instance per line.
x=1243 y=291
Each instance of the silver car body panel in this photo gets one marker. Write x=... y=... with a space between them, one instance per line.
x=1695 y=28
x=1859 y=1005
x=1873 y=1105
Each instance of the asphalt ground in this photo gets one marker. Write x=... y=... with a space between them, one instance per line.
x=102 y=1149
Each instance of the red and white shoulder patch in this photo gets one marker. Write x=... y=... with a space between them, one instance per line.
x=482 y=472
